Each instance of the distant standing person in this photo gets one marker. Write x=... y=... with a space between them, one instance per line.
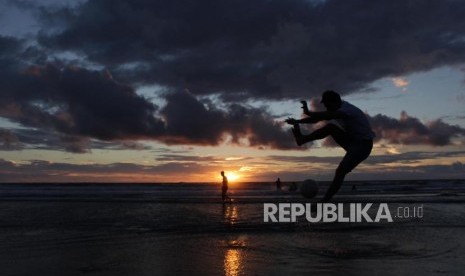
x=352 y=132
x=224 y=188
x=278 y=184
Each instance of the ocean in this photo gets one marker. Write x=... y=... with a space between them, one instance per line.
x=185 y=229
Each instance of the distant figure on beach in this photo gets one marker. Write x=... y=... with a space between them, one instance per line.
x=278 y=184
x=224 y=188
x=352 y=131
x=354 y=188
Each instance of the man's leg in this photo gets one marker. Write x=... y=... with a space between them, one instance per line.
x=354 y=156
x=332 y=130
x=335 y=185
x=340 y=137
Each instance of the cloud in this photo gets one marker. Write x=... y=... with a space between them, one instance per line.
x=408 y=165
x=261 y=49
x=9 y=46
x=76 y=101
x=411 y=131
x=406 y=158
x=77 y=104
x=187 y=158
x=26 y=138
x=191 y=121
x=412 y=157
x=453 y=170
x=44 y=171
x=400 y=82
x=408 y=130
x=9 y=141
x=460 y=98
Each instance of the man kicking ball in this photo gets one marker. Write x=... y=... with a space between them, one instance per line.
x=352 y=132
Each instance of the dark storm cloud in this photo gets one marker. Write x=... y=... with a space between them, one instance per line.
x=411 y=131
x=71 y=100
x=9 y=141
x=78 y=104
x=76 y=101
x=21 y=139
x=60 y=104
x=262 y=49
x=192 y=121
x=9 y=46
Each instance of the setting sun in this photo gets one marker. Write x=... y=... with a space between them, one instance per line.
x=232 y=176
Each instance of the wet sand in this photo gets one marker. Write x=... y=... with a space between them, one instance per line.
x=78 y=235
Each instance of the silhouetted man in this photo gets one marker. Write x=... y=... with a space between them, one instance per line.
x=352 y=132
x=224 y=188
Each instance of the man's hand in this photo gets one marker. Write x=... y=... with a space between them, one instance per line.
x=292 y=121
x=305 y=107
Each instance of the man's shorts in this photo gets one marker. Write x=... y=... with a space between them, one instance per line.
x=357 y=151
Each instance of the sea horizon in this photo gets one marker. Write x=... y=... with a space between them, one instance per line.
x=415 y=180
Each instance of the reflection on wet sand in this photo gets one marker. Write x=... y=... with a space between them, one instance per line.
x=230 y=214
x=232 y=262
x=234 y=254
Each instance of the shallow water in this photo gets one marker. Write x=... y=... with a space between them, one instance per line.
x=185 y=230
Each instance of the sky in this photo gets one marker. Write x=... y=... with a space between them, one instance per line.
x=177 y=91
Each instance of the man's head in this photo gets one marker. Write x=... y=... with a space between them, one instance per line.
x=331 y=100
x=222 y=173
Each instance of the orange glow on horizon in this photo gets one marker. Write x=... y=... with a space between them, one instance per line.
x=232 y=176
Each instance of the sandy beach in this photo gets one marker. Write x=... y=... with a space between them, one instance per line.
x=54 y=231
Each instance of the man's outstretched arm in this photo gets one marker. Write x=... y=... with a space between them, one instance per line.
x=315 y=117
x=324 y=115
